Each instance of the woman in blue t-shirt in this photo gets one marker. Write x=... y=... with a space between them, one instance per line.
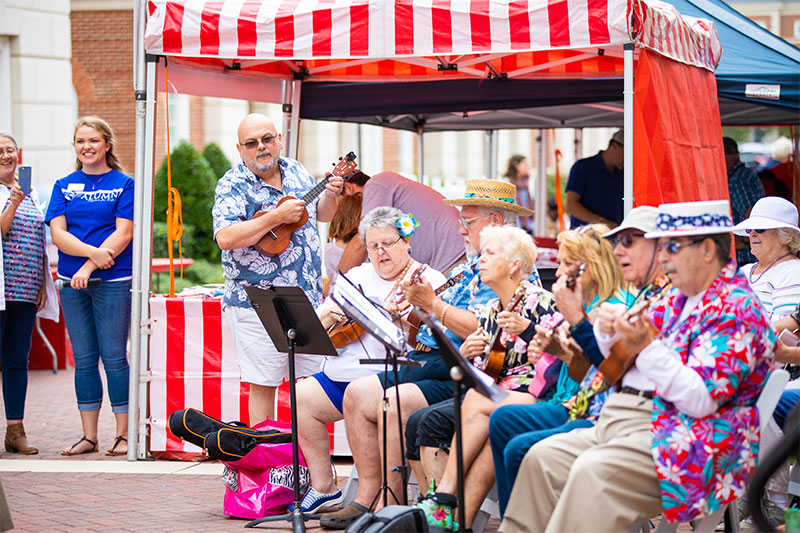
x=91 y=220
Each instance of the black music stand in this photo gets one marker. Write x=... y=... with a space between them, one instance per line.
x=381 y=324
x=463 y=373
x=290 y=321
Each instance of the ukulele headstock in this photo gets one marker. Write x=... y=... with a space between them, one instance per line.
x=345 y=165
x=577 y=272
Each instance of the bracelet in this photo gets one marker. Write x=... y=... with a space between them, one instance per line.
x=444 y=312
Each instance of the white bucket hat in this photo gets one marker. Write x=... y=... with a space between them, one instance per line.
x=684 y=219
x=642 y=218
x=770 y=212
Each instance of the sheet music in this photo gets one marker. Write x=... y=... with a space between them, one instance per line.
x=352 y=300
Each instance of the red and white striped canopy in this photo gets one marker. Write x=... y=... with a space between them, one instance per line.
x=414 y=39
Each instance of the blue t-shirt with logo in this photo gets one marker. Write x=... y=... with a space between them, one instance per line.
x=92 y=203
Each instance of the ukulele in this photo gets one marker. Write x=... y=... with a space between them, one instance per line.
x=492 y=362
x=572 y=353
x=622 y=357
x=277 y=239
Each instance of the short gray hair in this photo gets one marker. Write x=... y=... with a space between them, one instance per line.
x=789 y=237
x=509 y=217
x=10 y=138
x=380 y=217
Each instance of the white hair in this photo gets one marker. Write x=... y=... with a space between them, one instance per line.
x=781 y=149
x=509 y=217
x=790 y=238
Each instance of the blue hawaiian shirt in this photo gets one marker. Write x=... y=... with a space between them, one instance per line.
x=239 y=195
x=468 y=292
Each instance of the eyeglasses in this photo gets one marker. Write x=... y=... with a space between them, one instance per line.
x=673 y=247
x=625 y=240
x=385 y=246
x=467 y=222
x=759 y=231
x=266 y=140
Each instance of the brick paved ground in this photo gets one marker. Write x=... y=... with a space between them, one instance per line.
x=98 y=497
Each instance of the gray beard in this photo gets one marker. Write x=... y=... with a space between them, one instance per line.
x=267 y=167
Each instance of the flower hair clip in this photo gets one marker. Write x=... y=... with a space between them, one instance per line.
x=406 y=224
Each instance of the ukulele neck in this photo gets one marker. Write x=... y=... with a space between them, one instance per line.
x=315 y=191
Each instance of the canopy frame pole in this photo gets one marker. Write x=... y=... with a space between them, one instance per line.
x=627 y=94
x=286 y=107
x=540 y=201
x=144 y=91
x=420 y=153
x=294 y=123
x=491 y=154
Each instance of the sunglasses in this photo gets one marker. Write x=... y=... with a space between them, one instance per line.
x=625 y=240
x=673 y=247
x=759 y=231
x=586 y=229
x=266 y=140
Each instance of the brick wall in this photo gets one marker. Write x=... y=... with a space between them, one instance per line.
x=102 y=72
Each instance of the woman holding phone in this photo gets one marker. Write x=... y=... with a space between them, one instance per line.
x=91 y=219
x=26 y=288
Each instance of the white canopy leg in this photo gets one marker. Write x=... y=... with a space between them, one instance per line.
x=627 y=197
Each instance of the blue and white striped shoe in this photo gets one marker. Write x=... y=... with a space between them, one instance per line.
x=314 y=501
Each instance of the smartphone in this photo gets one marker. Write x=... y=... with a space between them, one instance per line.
x=788 y=338
x=24 y=177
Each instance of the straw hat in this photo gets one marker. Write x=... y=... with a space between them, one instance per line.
x=770 y=212
x=491 y=193
x=642 y=218
x=685 y=219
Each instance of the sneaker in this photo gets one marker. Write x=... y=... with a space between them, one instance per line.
x=438 y=508
x=314 y=501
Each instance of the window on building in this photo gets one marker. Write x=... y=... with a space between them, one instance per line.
x=796 y=31
x=5 y=84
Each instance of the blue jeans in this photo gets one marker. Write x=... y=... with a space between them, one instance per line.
x=16 y=326
x=788 y=400
x=98 y=319
x=513 y=429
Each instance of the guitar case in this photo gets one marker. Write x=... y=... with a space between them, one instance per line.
x=226 y=441
x=391 y=519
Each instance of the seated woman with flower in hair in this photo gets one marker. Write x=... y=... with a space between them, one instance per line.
x=385 y=232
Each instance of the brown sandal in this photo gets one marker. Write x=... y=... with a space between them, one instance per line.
x=113 y=451
x=93 y=449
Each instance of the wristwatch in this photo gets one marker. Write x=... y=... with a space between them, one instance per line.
x=796 y=315
x=574 y=327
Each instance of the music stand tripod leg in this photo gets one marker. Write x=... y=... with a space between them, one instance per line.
x=297 y=517
x=385 y=489
x=456 y=374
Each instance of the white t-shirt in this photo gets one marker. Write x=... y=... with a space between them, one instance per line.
x=778 y=288
x=346 y=366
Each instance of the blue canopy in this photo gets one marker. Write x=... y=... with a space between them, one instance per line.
x=758 y=83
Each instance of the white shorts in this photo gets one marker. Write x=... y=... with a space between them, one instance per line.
x=260 y=362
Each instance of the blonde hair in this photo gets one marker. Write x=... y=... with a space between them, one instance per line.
x=344 y=224
x=790 y=238
x=101 y=127
x=585 y=245
x=516 y=244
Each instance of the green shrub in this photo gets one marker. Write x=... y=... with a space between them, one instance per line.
x=193 y=177
x=216 y=158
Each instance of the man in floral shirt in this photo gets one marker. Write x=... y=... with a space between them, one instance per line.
x=254 y=186
x=689 y=446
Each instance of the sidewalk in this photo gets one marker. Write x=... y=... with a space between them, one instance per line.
x=93 y=492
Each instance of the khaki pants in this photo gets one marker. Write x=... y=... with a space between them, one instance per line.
x=596 y=479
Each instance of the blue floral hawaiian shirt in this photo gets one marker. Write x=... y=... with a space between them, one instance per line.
x=239 y=195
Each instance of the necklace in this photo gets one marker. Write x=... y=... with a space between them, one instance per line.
x=766 y=269
x=399 y=279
